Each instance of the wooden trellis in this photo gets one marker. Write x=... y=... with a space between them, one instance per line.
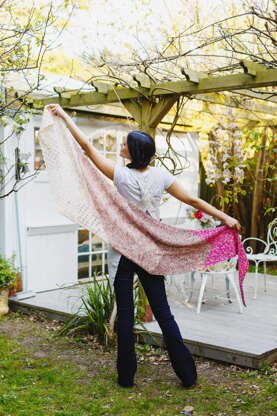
x=149 y=103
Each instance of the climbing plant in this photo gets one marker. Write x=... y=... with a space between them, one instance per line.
x=240 y=167
x=226 y=162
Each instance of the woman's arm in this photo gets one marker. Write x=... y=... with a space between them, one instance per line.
x=105 y=165
x=179 y=192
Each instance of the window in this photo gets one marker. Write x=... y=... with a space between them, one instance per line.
x=186 y=148
x=92 y=255
x=39 y=163
x=92 y=250
x=108 y=142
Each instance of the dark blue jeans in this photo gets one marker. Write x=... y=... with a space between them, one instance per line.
x=154 y=287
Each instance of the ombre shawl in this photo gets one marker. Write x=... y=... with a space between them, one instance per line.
x=82 y=193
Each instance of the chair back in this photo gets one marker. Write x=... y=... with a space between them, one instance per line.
x=271 y=248
x=223 y=267
x=268 y=247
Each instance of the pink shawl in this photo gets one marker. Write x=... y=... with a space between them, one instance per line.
x=84 y=195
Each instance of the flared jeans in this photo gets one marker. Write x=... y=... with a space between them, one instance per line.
x=154 y=287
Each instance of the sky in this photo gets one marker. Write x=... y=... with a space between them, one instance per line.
x=144 y=26
x=114 y=24
x=117 y=24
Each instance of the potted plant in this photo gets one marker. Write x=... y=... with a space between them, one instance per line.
x=199 y=220
x=8 y=273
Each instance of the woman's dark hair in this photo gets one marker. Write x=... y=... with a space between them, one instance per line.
x=141 y=147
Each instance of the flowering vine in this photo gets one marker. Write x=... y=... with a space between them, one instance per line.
x=226 y=161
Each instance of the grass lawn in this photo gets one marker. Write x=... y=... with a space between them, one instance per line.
x=42 y=374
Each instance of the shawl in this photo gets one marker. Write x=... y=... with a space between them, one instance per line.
x=84 y=195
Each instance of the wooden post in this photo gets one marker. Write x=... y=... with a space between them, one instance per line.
x=148 y=113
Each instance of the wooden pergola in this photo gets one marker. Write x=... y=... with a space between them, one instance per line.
x=149 y=103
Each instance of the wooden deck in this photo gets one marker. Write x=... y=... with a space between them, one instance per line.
x=219 y=332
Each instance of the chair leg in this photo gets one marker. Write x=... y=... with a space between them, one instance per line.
x=228 y=289
x=264 y=276
x=186 y=288
x=231 y=279
x=256 y=281
x=201 y=294
x=168 y=283
x=192 y=281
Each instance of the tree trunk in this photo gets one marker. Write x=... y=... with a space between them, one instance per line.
x=258 y=187
x=219 y=192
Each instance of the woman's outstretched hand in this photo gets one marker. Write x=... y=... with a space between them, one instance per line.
x=232 y=223
x=57 y=110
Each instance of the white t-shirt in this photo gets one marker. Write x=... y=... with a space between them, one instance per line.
x=131 y=184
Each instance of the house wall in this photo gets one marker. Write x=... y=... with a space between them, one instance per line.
x=2 y=206
x=2 y=227
x=48 y=241
x=8 y=224
x=43 y=257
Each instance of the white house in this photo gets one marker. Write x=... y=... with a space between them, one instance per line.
x=51 y=250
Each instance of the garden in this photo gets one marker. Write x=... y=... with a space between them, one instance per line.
x=202 y=82
x=44 y=373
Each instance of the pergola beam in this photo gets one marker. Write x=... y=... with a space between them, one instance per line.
x=264 y=96
x=229 y=101
x=149 y=103
x=205 y=85
x=250 y=67
x=217 y=84
x=161 y=108
x=149 y=114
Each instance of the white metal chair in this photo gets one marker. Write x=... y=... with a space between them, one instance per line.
x=183 y=283
x=225 y=268
x=268 y=254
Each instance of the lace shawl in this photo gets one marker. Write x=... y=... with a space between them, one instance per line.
x=82 y=193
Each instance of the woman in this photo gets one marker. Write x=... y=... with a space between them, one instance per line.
x=143 y=185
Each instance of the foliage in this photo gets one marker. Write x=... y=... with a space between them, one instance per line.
x=95 y=314
x=27 y=34
x=241 y=168
x=186 y=35
x=260 y=199
x=226 y=161
x=23 y=37
x=8 y=271
x=214 y=43
x=270 y=269
x=225 y=164
x=98 y=301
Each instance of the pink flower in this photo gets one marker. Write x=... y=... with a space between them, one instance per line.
x=199 y=215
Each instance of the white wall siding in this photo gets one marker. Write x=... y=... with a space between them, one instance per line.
x=51 y=257
x=2 y=205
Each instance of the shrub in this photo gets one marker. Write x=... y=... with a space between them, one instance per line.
x=8 y=271
x=97 y=313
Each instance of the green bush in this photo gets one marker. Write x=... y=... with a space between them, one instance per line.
x=95 y=311
x=95 y=314
x=8 y=271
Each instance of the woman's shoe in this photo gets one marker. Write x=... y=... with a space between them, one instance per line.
x=125 y=384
